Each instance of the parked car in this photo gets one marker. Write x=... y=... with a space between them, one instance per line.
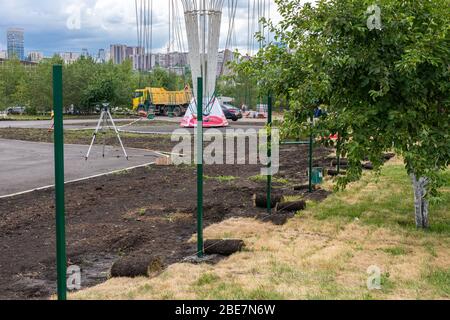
x=121 y=111
x=231 y=112
x=16 y=110
x=72 y=110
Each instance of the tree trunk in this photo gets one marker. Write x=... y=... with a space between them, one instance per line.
x=420 y=201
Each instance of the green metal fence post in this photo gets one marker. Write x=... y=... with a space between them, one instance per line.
x=338 y=152
x=61 y=260
x=200 y=246
x=311 y=142
x=269 y=153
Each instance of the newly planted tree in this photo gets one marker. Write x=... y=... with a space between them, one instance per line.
x=381 y=72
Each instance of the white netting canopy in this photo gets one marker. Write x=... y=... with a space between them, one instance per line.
x=203 y=20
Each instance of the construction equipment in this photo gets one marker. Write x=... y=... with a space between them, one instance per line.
x=161 y=101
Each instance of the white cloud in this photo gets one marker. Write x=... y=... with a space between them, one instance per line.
x=103 y=22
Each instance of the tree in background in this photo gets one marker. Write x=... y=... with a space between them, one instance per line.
x=39 y=87
x=77 y=77
x=12 y=73
x=381 y=72
x=241 y=87
x=160 y=77
x=85 y=84
x=3 y=102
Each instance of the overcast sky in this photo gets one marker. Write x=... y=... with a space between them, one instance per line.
x=103 y=22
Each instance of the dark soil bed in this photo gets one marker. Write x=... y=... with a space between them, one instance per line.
x=157 y=143
x=148 y=211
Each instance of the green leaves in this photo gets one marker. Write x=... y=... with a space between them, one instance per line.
x=383 y=89
x=86 y=83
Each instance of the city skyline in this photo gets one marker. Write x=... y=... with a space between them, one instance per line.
x=176 y=61
x=103 y=22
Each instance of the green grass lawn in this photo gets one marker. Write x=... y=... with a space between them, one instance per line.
x=387 y=202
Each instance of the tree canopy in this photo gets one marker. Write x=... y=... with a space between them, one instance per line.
x=86 y=83
x=382 y=88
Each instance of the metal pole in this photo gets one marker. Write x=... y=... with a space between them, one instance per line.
x=94 y=136
x=293 y=143
x=338 y=152
x=311 y=142
x=200 y=247
x=61 y=259
x=269 y=153
x=117 y=133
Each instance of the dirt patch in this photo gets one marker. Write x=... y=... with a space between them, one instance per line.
x=157 y=143
x=147 y=211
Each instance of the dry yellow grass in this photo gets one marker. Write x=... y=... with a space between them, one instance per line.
x=308 y=258
x=291 y=262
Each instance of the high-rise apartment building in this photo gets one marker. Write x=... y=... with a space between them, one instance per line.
x=85 y=53
x=118 y=53
x=172 y=59
x=223 y=58
x=35 y=56
x=69 y=57
x=143 y=62
x=15 y=43
x=101 y=56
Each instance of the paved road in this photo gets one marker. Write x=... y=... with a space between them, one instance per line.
x=29 y=165
x=45 y=124
x=77 y=124
x=169 y=129
x=143 y=127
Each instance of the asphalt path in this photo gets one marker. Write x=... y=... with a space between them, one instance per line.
x=129 y=125
x=25 y=166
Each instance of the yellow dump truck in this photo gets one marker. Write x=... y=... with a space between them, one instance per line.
x=161 y=101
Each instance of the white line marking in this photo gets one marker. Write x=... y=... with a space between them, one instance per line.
x=145 y=132
x=159 y=153
x=77 y=180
